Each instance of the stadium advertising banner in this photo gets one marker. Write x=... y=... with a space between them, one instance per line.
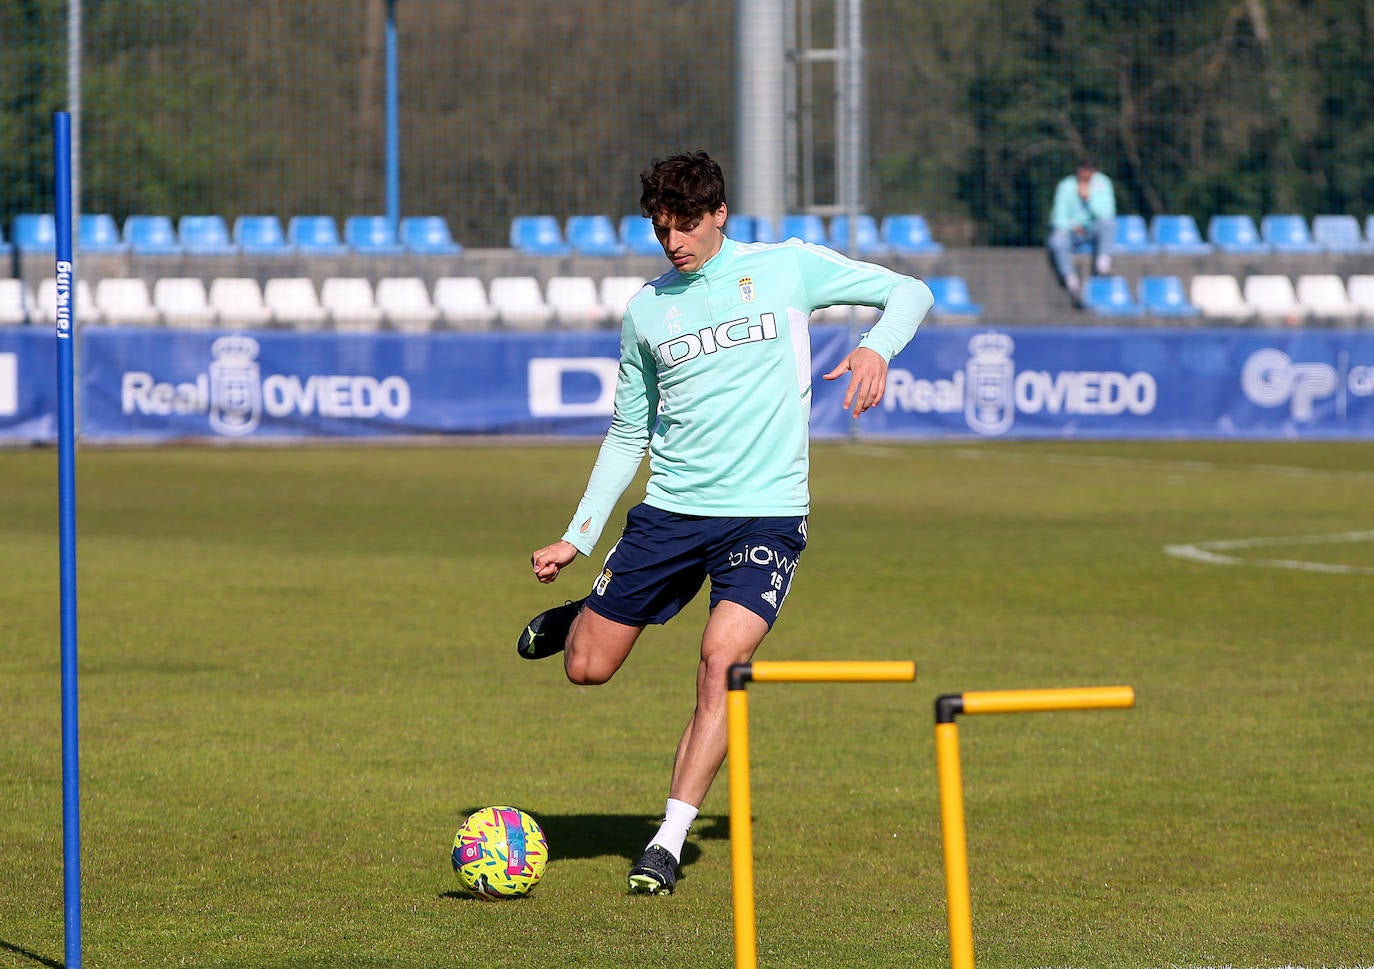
x=270 y=384
x=160 y=385
x=1126 y=383
x=28 y=385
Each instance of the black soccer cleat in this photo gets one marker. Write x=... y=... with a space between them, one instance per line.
x=547 y=633
x=655 y=873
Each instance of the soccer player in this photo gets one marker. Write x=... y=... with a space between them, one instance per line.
x=715 y=382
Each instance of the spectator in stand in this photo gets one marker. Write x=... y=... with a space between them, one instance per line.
x=1083 y=219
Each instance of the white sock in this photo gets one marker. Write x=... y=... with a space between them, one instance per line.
x=677 y=821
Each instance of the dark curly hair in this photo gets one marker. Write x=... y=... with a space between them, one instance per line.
x=682 y=186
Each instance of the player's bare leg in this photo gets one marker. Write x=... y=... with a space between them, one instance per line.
x=731 y=636
x=597 y=647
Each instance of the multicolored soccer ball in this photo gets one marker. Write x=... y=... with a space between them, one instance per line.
x=500 y=852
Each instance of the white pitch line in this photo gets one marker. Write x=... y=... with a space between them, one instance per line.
x=1166 y=464
x=1211 y=552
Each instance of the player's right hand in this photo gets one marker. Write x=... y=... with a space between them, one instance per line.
x=548 y=560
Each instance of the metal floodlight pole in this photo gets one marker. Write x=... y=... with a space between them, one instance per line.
x=852 y=132
x=760 y=108
x=741 y=806
x=66 y=500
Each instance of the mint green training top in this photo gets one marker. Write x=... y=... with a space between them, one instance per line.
x=1071 y=211
x=715 y=380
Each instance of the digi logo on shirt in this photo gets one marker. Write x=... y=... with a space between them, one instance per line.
x=710 y=339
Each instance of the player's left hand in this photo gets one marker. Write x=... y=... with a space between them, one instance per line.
x=867 y=380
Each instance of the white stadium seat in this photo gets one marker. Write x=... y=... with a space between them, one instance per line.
x=183 y=302
x=576 y=302
x=126 y=301
x=239 y=302
x=841 y=313
x=1325 y=297
x=351 y=303
x=45 y=303
x=617 y=291
x=520 y=303
x=1274 y=299
x=463 y=304
x=1360 y=289
x=295 y=303
x=16 y=305
x=406 y=305
x=1219 y=297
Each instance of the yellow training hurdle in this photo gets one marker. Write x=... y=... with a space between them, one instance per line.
x=741 y=806
x=954 y=834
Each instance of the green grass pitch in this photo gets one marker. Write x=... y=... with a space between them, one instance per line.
x=298 y=674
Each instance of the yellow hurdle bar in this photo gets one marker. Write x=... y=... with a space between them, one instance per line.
x=831 y=671
x=949 y=774
x=737 y=752
x=1035 y=701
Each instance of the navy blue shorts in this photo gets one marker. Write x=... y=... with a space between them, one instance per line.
x=663 y=558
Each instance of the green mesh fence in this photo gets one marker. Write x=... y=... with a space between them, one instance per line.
x=974 y=108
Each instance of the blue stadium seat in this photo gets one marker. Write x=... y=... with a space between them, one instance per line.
x=1133 y=237
x=1166 y=296
x=315 y=235
x=98 y=232
x=765 y=229
x=867 y=240
x=909 y=234
x=1236 y=234
x=742 y=228
x=538 y=235
x=1178 y=235
x=428 y=235
x=952 y=297
x=1289 y=233
x=372 y=235
x=205 y=235
x=637 y=233
x=260 y=235
x=751 y=228
x=1110 y=296
x=594 y=235
x=151 y=235
x=808 y=227
x=34 y=232
x=1339 y=233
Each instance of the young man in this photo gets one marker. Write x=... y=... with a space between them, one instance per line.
x=715 y=381
x=1082 y=219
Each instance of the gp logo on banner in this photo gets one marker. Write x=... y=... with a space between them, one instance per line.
x=1271 y=378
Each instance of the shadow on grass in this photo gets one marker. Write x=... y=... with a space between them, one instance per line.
x=32 y=956
x=597 y=835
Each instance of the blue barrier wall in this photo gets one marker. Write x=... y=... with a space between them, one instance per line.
x=28 y=385
x=161 y=385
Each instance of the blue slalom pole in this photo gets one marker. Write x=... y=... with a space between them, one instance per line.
x=66 y=501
